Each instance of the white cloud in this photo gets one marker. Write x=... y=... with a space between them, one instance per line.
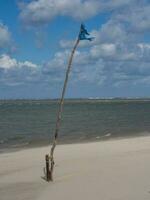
x=42 y=11
x=5 y=36
x=7 y=63
x=39 y=12
x=13 y=72
x=103 y=50
x=137 y=17
x=112 y=31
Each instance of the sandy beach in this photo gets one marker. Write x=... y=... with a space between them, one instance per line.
x=108 y=170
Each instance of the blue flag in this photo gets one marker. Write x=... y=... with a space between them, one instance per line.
x=83 y=34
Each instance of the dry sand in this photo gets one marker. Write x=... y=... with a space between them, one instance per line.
x=110 y=170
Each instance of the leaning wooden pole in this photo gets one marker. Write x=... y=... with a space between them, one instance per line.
x=59 y=115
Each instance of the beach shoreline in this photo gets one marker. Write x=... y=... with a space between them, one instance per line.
x=62 y=143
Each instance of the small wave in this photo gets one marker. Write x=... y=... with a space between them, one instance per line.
x=107 y=135
x=20 y=145
x=104 y=136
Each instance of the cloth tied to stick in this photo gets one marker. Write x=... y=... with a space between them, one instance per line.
x=83 y=34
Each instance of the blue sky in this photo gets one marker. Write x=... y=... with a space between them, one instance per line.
x=36 y=38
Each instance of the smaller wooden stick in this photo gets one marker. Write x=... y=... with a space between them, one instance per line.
x=48 y=174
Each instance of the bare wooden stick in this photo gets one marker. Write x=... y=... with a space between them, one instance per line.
x=48 y=174
x=59 y=115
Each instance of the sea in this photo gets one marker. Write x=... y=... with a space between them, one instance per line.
x=31 y=123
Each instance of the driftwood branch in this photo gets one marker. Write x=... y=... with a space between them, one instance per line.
x=59 y=115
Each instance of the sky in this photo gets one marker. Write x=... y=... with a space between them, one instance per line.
x=37 y=36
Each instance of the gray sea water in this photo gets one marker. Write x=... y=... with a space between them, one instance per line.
x=26 y=123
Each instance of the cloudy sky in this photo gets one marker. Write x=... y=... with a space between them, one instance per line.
x=36 y=37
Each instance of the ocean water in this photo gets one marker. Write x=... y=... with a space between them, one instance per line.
x=26 y=123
